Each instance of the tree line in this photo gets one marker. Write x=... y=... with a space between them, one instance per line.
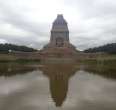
x=108 y=48
x=5 y=48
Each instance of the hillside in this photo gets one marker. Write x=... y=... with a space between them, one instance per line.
x=109 y=48
x=4 y=48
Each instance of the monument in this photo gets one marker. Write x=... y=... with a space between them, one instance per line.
x=59 y=44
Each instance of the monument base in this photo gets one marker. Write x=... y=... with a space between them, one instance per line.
x=59 y=51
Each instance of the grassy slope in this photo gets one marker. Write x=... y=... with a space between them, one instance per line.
x=14 y=58
x=100 y=59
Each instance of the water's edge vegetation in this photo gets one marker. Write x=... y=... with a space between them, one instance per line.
x=104 y=65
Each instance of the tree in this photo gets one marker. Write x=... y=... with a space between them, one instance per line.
x=109 y=48
x=5 y=48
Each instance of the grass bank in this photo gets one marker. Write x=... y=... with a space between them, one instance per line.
x=6 y=58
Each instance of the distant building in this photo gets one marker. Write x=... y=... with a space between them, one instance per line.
x=59 y=40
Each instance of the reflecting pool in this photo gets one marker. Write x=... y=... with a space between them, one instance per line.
x=57 y=87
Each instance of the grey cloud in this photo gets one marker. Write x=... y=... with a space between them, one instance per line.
x=23 y=23
x=38 y=31
x=19 y=20
x=35 y=42
x=94 y=7
x=97 y=25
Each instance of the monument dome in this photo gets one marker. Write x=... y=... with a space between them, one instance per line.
x=59 y=24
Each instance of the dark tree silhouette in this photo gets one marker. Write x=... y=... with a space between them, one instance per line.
x=109 y=48
x=4 y=48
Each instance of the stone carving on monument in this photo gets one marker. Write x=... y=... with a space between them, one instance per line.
x=59 y=44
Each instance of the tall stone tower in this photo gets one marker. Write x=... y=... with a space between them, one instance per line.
x=59 y=39
x=59 y=32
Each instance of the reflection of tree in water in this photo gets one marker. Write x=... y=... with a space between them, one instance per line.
x=10 y=69
x=59 y=75
x=106 y=71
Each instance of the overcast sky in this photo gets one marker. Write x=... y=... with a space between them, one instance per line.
x=28 y=22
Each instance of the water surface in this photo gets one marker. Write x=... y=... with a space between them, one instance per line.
x=56 y=87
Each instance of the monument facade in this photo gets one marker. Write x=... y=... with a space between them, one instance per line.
x=59 y=43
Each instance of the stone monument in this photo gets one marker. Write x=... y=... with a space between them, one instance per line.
x=59 y=44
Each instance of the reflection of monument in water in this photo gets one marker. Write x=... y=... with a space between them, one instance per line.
x=59 y=75
x=59 y=41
